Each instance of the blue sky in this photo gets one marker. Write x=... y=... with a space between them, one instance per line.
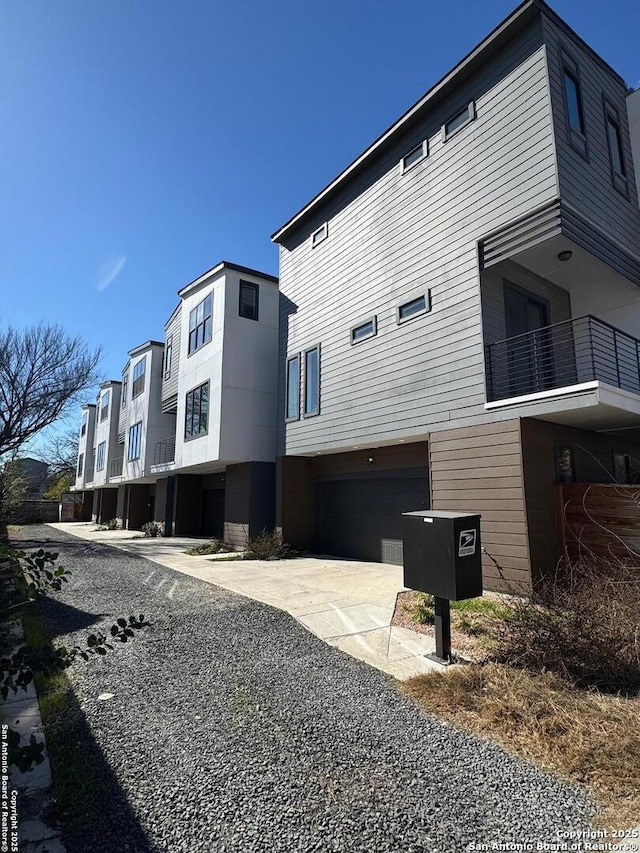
x=144 y=140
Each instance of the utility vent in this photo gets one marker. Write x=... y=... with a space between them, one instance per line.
x=392 y=551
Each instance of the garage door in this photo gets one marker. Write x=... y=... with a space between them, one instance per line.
x=360 y=517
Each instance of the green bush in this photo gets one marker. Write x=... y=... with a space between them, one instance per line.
x=268 y=545
x=213 y=546
x=112 y=524
x=152 y=529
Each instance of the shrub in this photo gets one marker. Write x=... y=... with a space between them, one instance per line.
x=268 y=545
x=152 y=529
x=213 y=546
x=584 y=626
x=112 y=524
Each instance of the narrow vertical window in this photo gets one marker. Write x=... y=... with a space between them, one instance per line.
x=104 y=406
x=573 y=100
x=248 y=303
x=293 y=388
x=80 y=464
x=83 y=429
x=100 y=456
x=125 y=389
x=135 y=442
x=168 y=356
x=615 y=146
x=312 y=381
x=138 y=377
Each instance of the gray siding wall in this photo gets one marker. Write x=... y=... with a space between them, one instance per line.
x=170 y=385
x=391 y=237
x=493 y=311
x=587 y=183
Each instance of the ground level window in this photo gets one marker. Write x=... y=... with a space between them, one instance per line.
x=196 y=420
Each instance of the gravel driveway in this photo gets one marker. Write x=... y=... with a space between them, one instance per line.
x=232 y=728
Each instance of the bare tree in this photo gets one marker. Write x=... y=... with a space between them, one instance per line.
x=43 y=372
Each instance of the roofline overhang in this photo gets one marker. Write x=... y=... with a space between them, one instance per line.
x=496 y=39
x=220 y=267
x=146 y=345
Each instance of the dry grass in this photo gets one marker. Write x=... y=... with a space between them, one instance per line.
x=585 y=737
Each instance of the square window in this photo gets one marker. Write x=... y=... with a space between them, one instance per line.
x=248 y=302
x=415 y=155
x=196 y=419
x=200 y=324
x=319 y=235
x=293 y=388
x=364 y=330
x=414 y=308
x=461 y=119
x=312 y=382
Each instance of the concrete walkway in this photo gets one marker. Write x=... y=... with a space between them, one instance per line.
x=348 y=604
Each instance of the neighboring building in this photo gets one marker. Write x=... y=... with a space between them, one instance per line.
x=460 y=309
x=189 y=437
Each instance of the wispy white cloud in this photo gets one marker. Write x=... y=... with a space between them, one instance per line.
x=109 y=271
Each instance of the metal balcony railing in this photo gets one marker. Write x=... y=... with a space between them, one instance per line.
x=115 y=467
x=164 y=451
x=568 y=353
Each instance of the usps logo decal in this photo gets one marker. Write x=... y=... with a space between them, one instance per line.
x=467 y=543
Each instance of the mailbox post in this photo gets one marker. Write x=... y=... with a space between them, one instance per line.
x=442 y=556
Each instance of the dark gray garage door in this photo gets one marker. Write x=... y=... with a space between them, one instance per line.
x=360 y=518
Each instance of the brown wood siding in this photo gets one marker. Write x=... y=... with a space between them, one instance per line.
x=479 y=469
x=597 y=520
x=593 y=459
x=293 y=504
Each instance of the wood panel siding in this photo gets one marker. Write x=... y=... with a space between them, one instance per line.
x=593 y=461
x=170 y=383
x=391 y=237
x=595 y=520
x=293 y=501
x=586 y=183
x=489 y=485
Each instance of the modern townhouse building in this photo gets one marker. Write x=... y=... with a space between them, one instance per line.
x=85 y=463
x=460 y=309
x=195 y=417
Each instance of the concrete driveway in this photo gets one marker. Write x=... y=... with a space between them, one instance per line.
x=347 y=603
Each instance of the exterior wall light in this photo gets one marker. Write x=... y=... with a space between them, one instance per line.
x=565 y=256
x=370 y=460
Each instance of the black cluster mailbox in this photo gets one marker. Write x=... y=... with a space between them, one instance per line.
x=442 y=555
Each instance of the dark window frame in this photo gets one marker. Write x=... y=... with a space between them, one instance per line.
x=288 y=399
x=319 y=235
x=138 y=376
x=189 y=433
x=577 y=137
x=255 y=289
x=134 y=443
x=168 y=357
x=125 y=389
x=311 y=412
x=200 y=333
x=618 y=177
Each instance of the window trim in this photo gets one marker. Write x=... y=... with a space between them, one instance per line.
x=192 y=391
x=289 y=418
x=256 y=288
x=471 y=116
x=137 y=391
x=101 y=456
x=373 y=320
x=205 y=341
x=104 y=410
x=611 y=115
x=426 y=295
x=138 y=444
x=125 y=389
x=424 y=146
x=323 y=232
x=167 y=357
x=577 y=138
x=316 y=411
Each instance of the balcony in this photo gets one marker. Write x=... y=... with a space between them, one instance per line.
x=115 y=467
x=164 y=451
x=563 y=355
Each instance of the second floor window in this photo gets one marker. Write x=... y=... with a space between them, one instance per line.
x=104 y=406
x=83 y=429
x=196 y=419
x=125 y=389
x=293 y=388
x=248 y=307
x=200 y=324
x=138 y=377
x=573 y=100
x=80 y=464
x=615 y=146
x=312 y=382
x=100 y=456
x=135 y=442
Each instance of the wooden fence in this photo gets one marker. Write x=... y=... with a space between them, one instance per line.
x=598 y=519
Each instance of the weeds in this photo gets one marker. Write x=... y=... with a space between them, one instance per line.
x=269 y=546
x=213 y=546
x=152 y=529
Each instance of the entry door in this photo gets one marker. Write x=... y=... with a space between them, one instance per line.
x=213 y=512
x=530 y=354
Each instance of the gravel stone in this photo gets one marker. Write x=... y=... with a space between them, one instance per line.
x=231 y=728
